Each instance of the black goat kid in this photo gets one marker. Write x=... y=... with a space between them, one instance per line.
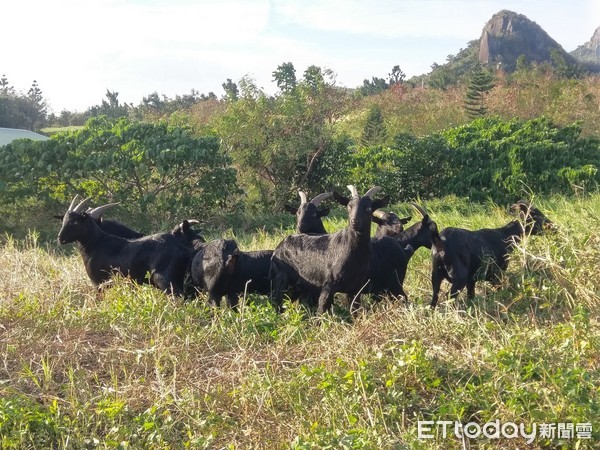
x=161 y=256
x=328 y=263
x=462 y=256
x=221 y=268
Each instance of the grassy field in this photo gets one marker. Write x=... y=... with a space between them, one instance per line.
x=133 y=368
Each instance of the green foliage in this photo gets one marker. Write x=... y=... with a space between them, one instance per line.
x=231 y=90
x=373 y=86
x=502 y=160
x=486 y=159
x=285 y=77
x=149 y=168
x=374 y=132
x=278 y=143
x=480 y=83
x=22 y=111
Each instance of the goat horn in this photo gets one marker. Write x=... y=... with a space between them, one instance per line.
x=303 y=199
x=353 y=190
x=371 y=192
x=378 y=214
x=81 y=205
x=73 y=202
x=319 y=198
x=419 y=208
x=193 y=221
x=97 y=211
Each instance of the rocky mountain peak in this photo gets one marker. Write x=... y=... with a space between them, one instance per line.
x=507 y=35
x=590 y=51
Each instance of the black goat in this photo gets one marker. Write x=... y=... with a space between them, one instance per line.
x=462 y=256
x=108 y=226
x=392 y=248
x=221 y=268
x=388 y=224
x=183 y=231
x=390 y=259
x=308 y=214
x=187 y=235
x=419 y=234
x=161 y=257
x=329 y=263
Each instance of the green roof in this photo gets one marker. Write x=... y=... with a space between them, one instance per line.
x=7 y=135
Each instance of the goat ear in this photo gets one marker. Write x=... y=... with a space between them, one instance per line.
x=340 y=198
x=380 y=203
x=405 y=220
x=59 y=217
x=323 y=212
x=290 y=209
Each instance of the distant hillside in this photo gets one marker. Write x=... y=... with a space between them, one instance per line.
x=504 y=38
x=588 y=54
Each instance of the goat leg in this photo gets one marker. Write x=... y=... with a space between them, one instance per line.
x=470 y=289
x=437 y=276
x=325 y=300
x=232 y=300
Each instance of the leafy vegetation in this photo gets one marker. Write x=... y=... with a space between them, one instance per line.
x=133 y=368
x=147 y=167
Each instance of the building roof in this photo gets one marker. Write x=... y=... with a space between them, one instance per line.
x=7 y=135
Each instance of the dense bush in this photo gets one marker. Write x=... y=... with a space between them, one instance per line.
x=150 y=168
x=488 y=158
x=502 y=160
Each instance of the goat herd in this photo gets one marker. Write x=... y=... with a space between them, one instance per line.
x=310 y=265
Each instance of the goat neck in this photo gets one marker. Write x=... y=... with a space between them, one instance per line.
x=513 y=231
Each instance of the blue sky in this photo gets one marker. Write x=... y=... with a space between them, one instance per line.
x=77 y=49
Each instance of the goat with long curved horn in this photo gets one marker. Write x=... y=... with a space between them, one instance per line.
x=303 y=198
x=371 y=192
x=99 y=210
x=81 y=205
x=420 y=209
x=353 y=191
x=73 y=202
x=321 y=197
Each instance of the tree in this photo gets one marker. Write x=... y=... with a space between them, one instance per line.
x=396 y=75
x=374 y=132
x=232 y=92
x=562 y=68
x=111 y=108
x=5 y=88
x=280 y=143
x=375 y=86
x=480 y=83
x=38 y=106
x=285 y=77
x=149 y=167
x=21 y=111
